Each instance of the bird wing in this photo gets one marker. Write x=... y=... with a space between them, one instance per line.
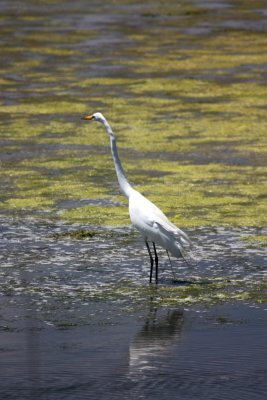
x=150 y=220
x=180 y=238
x=168 y=228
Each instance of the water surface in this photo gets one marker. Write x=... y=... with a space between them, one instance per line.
x=184 y=87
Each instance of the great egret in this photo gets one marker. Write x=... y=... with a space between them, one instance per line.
x=147 y=218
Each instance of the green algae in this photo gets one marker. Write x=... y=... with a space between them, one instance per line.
x=28 y=203
x=188 y=111
x=98 y=215
x=133 y=297
x=256 y=241
x=51 y=107
x=192 y=293
x=195 y=195
x=81 y=234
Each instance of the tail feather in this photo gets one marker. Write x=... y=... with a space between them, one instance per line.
x=179 y=237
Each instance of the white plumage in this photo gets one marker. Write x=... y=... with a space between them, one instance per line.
x=145 y=216
x=154 y=226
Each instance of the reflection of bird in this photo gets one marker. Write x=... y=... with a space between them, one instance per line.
x=158 y=336
x=147 y=218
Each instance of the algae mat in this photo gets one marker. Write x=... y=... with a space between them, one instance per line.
x=183 y=85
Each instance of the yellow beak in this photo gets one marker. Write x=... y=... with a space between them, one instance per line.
x=88 y=117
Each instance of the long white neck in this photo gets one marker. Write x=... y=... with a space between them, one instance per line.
x=126 y=188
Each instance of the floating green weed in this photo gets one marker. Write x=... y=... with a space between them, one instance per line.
x=79 y=234
x=194 y=293
x=188 y=109
x=256 y=240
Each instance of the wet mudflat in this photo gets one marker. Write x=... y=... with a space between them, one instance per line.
x=187 y=101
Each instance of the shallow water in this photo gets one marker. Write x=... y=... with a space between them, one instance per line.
x=187 y=99
x=79 y=319
x=161 y=354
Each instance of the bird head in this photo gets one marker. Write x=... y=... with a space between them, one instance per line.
x=95 y=117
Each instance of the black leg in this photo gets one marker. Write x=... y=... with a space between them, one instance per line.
x=174 y=277
x=151 y=261
x=156 y=261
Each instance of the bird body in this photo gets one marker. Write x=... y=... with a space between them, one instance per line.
x=145 y=216
x=154 y=226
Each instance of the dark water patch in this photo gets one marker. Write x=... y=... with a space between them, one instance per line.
x=160 y=353
x=17 y=150
x=180 y=282
x=213 y=153
x=85 y=202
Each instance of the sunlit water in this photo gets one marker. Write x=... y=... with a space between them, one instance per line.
x=78 y=318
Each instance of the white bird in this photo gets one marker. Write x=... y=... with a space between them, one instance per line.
x=145 y=216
